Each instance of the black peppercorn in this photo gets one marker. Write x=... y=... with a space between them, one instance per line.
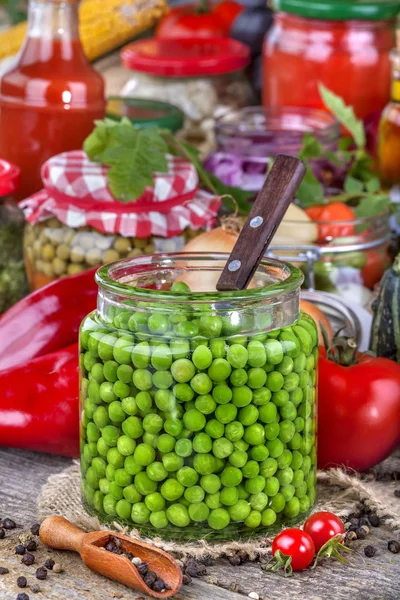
x=49 y=564
x=35 y=529
x=23 y=596
x=31 y=546
x=41 y=573
x=35 y=589
x=2 y=533
x=350 y=536
x=20 y=549
x=397 y=493
x=374 y=520
x=354 y=522
x=394 y=547
x=364 y=521
x=143 y=569
x=369 y=551
x=235 y=560
x=9 y=524
x=28 y=559
x=110 y=547
x=207 y=561
x=158 y=585
x=3 y=571
x=186 y=579
x=22 y=582
x=195 y=568
x=150 y=578
x=362 y=532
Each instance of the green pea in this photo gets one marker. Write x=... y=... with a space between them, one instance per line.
x=202 y=358
x=156 y=472
x=110 y=435
x=255 y=485
x=222 y=394
x=110 y=505
x=171 y=490
x=104 y=486
x=142 y=379
x=157 y=323
x=238 y=458
x=277 y=503
x=218 y=348
x=184 y=448
x=275 y=381
x=256 y=378
x=129 y=406
x=202 y=443
x=178 y=515
x=205 y=404
x=229 y=496
x=258 y=501
x=102 y=447
x=122 y=351
x=122 y=478
x=240 y=510
x=304 y=338
x=115 y=458
x=172 y=462
x=253 y=520
x=183 y=392
x=144 y=484
x=275 y=448
x=107 y=392
x=290 y=343
x=272 y=486
x=257 y=354
x=194 y=420
x=92 y=479
x=241 y=396
x=204 y=464
x=254 y=434
x=187 y=329
x=116 y=490
x=286 y=366
x=274 y=352
x=100 y=417
x=248 y=415
x=140 y=513
x=234 y=431
x=237 y=356
x=268 y=413
x=219 y=519
x=153 y=423
x=268 y=517
x=292 y=508
x=259 y=453
x=219 y=371
x=215 y=428
x=296 y=396
x=92 y=432
x=261 y=396
x=226 y=413
x=213 y=500
x=231 y=476
x=222 y=448
x=162 y=380
x=165 y=400
x=132 y=427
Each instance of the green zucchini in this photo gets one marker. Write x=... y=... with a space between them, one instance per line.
x=385 y=335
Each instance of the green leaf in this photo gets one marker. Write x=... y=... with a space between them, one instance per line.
x=311 y=147
x=353 y=186
x=373 y=185
x=345 y=143
x=344 y=114
x=372 y=205
x=310 y=191
x=132 y=154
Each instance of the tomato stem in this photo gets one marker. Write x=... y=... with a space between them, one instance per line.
x=280 y=562
x=333 y=548
x=343 y=350
x=203 y=7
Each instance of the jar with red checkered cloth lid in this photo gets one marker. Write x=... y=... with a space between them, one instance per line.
x=75 y=223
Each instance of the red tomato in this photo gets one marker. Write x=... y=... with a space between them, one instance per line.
x=376 y=265
x=358 y=412
x=321 y=527
x=202 y=20
x=334 y=211
x=297 y=544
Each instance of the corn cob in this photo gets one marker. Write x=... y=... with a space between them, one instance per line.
x=104 y=25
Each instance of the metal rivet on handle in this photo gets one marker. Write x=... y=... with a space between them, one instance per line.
x=256 y=222
x=234 y=265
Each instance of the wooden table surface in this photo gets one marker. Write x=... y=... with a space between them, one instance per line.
x=23 y=473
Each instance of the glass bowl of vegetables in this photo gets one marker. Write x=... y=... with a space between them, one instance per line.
x=198 y=408
x=349 y=253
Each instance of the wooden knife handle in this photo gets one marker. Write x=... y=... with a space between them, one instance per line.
x=60 y=534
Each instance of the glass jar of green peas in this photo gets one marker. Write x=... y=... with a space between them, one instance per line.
x=198 y=409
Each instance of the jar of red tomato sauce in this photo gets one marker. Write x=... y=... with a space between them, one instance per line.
x=344 y=44
x=51 y=96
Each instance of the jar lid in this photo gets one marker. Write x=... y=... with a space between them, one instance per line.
x=186 y=57
x=144 y=112
x=10 y=176
x=340 y=10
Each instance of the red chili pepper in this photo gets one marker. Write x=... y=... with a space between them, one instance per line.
x=39 y=404
x=47 y=320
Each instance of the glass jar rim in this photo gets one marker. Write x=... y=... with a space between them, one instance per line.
x=291 y=281
x=340 y=10
x=357 y=221
x=329 y=126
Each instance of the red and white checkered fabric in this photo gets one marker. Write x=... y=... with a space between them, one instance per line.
x=76 y=193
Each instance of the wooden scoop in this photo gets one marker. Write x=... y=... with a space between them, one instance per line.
x=60 y=534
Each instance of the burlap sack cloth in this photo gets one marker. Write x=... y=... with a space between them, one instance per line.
x=338 y=491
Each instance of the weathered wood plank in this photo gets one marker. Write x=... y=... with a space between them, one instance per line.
x=23 y=473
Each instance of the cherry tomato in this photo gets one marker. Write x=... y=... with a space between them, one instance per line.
x=334 y=211
x=297 y=544
x=377 y=262
x=321 y=527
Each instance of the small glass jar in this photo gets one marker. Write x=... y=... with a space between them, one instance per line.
x=13 y=281
x=248 y=138
x=198 y=410
x=349 y=263
x=202 y=77
x=53 y=249
x=343 y=44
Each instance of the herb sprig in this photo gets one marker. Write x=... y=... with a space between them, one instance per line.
x=134 y=154
x=350 y=169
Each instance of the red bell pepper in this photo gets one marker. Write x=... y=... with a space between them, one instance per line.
x=47 y=320
x=39 y=404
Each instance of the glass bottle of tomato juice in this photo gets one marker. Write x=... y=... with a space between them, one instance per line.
x=51 y=96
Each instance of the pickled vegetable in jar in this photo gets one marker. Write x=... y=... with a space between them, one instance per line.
x=249 y=138
x=198 y=410
x=13 y=280
x=389 y=130
x=78 y=225
x=343 y=44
